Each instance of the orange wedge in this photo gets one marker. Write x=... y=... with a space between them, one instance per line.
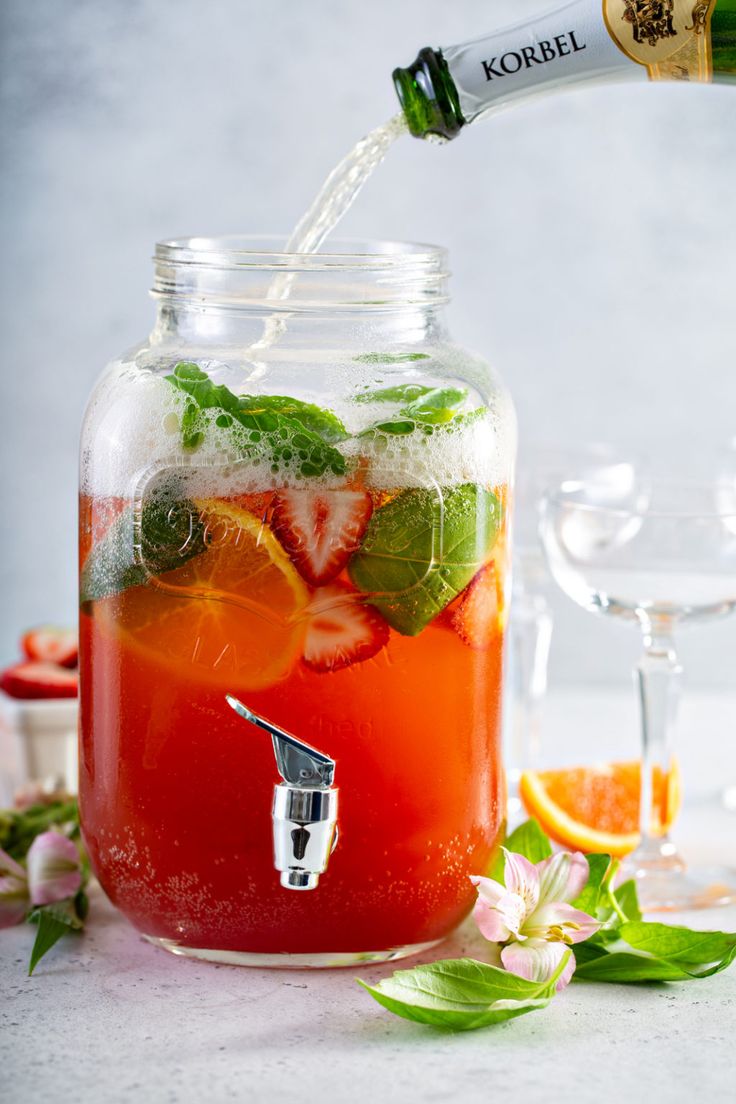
x=232 y=615
x=597 y=808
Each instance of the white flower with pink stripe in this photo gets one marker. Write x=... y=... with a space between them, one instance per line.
x=531 y=918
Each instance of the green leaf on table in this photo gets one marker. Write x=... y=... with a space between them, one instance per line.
x=700 y=953
x=54 y=921
x=529 y=840
x=461 y=994
x=422 y=549
x=170 y=533
x=628 y=900
x=588 y=900
x=390 y=358
x=19 y=827
x=615 y=907
x=646 y=952
x=291 y=430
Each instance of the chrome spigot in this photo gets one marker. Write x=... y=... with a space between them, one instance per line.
x=304 y=805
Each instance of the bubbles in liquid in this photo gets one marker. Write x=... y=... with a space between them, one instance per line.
x=135 y=422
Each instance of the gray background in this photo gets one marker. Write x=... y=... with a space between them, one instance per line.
x=591 y=237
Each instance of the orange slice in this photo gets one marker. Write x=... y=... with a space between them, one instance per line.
x=232 y=615
x=597 y=808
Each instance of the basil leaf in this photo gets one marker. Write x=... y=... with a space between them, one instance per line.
x=170 y=533
x=655 y=952
x=53 y=922
x=530 y=841
x=19 y=827
x=527 y=839
x=283 y=425
x=692 y=950
x=460 y=994
x=421 y=550
x=588 y=900
x=628 y=899
x=595 y=963
x=390 y=358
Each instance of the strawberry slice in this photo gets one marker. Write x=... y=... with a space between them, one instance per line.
x=320 y=529
x=342 y=630
x=39 y=680
x=477 y=616
x=50 y=644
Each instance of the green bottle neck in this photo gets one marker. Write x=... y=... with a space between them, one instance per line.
x=428 y=96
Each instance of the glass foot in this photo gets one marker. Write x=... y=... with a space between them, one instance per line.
x=323 y=961
x=680 y=890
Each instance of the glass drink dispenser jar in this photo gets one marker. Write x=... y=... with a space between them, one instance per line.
x=294 y=564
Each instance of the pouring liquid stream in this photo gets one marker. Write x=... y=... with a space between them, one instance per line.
x=330 y=205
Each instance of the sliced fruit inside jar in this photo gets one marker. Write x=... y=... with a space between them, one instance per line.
x=232 y=612
x=320 y=529
x=342 y=629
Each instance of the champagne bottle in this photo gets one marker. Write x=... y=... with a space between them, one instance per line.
x=582 y=40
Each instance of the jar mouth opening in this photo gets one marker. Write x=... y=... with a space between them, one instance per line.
x=255 y=273
x=267 y=251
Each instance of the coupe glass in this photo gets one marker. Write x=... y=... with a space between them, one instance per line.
x=659 y=554
x=530 y=622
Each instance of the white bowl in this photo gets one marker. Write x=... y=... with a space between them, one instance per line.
x=38 y=743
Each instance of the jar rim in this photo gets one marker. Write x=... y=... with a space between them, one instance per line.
x=266 y=251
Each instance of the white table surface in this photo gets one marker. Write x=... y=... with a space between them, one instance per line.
x=109 y=1018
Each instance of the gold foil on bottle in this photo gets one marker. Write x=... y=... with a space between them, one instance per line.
x=670 y=37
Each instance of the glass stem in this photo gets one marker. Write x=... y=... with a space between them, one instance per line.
x=658 y=680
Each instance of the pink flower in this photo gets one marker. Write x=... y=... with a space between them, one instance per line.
x=54 y=869
x=531 y=917
x=13 y=891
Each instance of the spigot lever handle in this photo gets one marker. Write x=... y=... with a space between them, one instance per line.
x=297 y=762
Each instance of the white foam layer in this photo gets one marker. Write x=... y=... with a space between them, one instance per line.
x=133 y=429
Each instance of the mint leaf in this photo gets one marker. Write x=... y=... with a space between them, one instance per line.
x=169 y=534
x=284 y=426
x=425 y=407
x=390 y=358
x=53 y=922
x=402 y=393
x=398 y=428
x=422 y=549
x=314 y=418
x=442 y=421
x=436 y=406
x=461 y=994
